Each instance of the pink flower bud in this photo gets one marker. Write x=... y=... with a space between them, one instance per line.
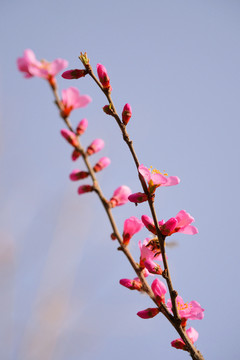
x=148 y=313
x=169 y=227
x=95 y=146
x=120 y=196
x=148 y=222
x=152 y=267
x=75 y=154
x=103 y=77
x=159 y=289
x=78 y=175
x=126 y=114
x=101 y=164
x=70 y=137
x=138 y=198
x=74 y=74
x=113 y=236
x=82 y=126
x=134 y=284
x=84 y=188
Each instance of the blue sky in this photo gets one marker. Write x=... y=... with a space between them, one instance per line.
x=177 y=64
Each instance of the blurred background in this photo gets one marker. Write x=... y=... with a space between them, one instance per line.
x=177 y=64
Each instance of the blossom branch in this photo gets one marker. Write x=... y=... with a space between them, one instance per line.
x=176 y=320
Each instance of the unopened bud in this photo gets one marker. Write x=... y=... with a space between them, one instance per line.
x=138 y=198
x=95 y=146
x=74 y=74
x=108 y=109
x=103 y=77
x=70 y=137
x=101 y=164
x=75 y=154
x=82 y=126
x=126 y=114
x=84 y=189
x=78 y=175
x=134 y=284
x=148 y=313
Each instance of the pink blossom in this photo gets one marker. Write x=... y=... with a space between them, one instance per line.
x=155 y=179
x=134 y=284
x=84 y=189
x=138 y=198
x=71 y=99
x=150 y=253
x=120 y=196
x=148 y=313
x=192 y=310
x=70 y=137
x=131 y=227
x=75 y=154
x=103 y=77
x=101 y=164
x=74 y=74
x=181 y=223
x=82 y=126
x=159 y=289
x=30 y=66
x=126 y=114
x=180 y=344
x=78 y=175
x=95 y=146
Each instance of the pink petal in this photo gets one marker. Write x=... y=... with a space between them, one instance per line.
x=189 y=229
x=184 y=218
x=145 y=172
x=172 y=180
x=57 y=65
x=192 y=334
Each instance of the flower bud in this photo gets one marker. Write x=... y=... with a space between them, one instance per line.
x=84 y=189
x=169 y=227
x=152 y=267
x=70 y=137
x=159 y=289
x=78 y=175
x=126 y=114
x=74 y=74
x=138 y=198
x=82 y=126
x=103 y=77
x=101 y=164
x=95 y=146
x=120 y=196
x=148 y=222
x=134 y=284
x=75 y=154
x=148 y=313
x=108 y=109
